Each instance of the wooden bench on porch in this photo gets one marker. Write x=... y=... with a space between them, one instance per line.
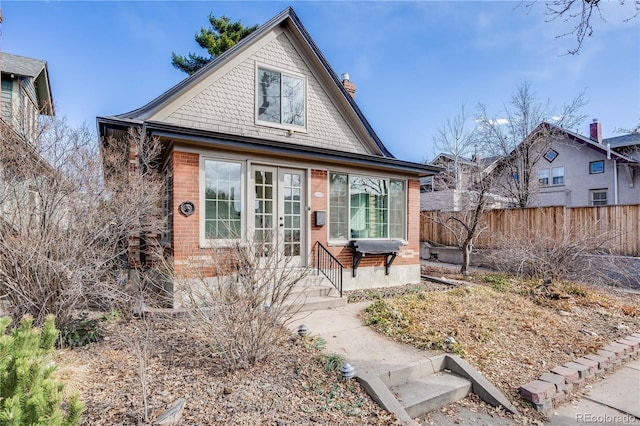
x=361 y=248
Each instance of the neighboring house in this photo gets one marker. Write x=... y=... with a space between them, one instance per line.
x=26 y=94
x=452 y=189
x=577 y=170
x=267 y=141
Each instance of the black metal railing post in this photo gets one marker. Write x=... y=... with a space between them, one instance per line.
x=330 y=267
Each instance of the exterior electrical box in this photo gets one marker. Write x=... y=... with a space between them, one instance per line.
x=320 y=217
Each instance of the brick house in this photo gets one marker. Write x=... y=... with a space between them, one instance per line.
x=266 y=141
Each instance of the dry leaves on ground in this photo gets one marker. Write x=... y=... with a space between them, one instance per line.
x=511 y=330
x=289 y=389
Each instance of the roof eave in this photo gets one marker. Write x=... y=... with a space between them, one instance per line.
x=284 y=148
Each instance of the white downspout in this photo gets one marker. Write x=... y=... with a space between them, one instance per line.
x=615 y=175
x=615 y=183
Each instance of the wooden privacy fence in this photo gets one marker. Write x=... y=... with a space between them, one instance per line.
x=621 y=224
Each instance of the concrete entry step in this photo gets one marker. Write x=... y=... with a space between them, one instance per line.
x=430 y=393
x=315 y=303
x=312 y=298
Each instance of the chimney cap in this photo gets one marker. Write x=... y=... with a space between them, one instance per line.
x=345 y=76
x=595 y=120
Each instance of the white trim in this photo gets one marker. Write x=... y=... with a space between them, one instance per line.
x=338 y=242
x=221 y=243
x=281 y=71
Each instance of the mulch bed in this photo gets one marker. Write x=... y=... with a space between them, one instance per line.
x=292 y=388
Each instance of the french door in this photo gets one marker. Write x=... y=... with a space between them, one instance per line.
x=279 y=215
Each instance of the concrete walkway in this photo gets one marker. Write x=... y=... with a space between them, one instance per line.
x=361 y=346
x=615 y=399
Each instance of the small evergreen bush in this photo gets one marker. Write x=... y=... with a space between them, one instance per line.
x=81 y=331
x=29 y=394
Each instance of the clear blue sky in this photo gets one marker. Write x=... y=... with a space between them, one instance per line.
x=414 y=63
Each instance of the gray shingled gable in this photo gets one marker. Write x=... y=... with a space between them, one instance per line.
x=21 y=65
x=143 y=113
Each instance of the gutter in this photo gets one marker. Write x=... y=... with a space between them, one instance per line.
x=286 y=149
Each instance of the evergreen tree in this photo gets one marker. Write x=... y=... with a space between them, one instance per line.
x=219 y=37
x=29 y=392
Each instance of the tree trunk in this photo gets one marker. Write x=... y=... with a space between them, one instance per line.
x=466 y=256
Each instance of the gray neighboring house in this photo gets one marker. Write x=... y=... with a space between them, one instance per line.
x=26 y=94
x=579 y=171
x=452 y=189
x=574 y=171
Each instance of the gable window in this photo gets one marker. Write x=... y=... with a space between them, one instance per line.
x=598 y=197
x=366 y=207
x=557 y=175
x=543 y=176
x=281 y=99
x=596 y=167
x=222 y=200
x=551 y=155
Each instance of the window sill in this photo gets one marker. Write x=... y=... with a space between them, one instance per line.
x=288 y=128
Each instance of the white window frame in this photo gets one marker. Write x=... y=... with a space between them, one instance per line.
x=284 y=126
x=348 y=206
x=541 y=177
x=554 y=176
x=592 y=201
x=213 y=243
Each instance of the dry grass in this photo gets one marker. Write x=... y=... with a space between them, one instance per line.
x=511 y=330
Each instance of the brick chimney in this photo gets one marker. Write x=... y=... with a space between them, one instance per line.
x=595 y=131
x=348 y=85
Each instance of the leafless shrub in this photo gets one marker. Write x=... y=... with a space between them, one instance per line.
x=580 y=255
x=246 y=306
x=64 y=232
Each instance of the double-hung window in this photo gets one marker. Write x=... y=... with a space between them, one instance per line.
x=366 y=207
x=598 y=197
x=543 y=176
x=280 y=99
x=557 y=175
x=222 y=200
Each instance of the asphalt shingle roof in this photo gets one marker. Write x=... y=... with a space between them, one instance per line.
x=623 y=141
x=21 y=65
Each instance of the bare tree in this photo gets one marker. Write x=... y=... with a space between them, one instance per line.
x=457 y=139
x=580 y=15
x=519 y=137
x=64 y=232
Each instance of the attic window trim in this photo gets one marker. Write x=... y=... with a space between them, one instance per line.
x=290 y=127
x=551 y=155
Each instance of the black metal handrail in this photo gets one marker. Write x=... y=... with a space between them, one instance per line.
x=330 y=267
